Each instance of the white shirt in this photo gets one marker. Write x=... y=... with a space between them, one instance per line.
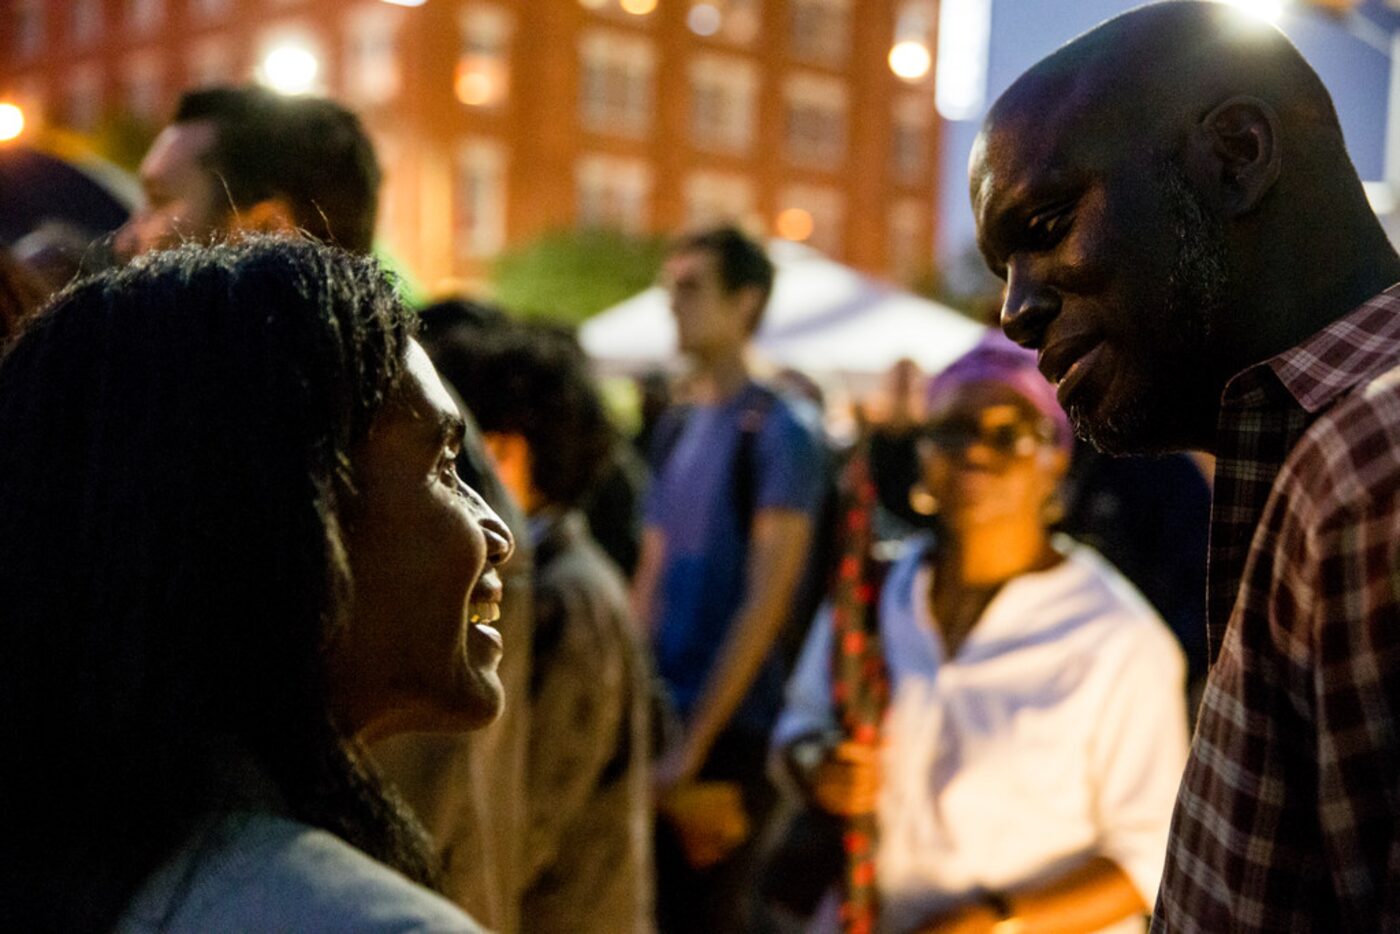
x=1057 y=733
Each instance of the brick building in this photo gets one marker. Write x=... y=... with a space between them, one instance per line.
x=497 y=120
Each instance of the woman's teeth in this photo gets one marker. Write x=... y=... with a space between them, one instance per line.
x=483 y=612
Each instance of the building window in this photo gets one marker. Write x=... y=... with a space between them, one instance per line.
x=722 y=94
x=815 y=120
x=210 y=9
x=910 y=253
x=822 y=214
x=143 y=89
x=29 y=28
x=713 y=198
x=142 y=16
x=372 y=74
x=87 y=21
x=821 y=30
x=210 y=63
x=82 y=105
x=482 y=78
x=613 y=193
x=909 y=140
x=480 y=215
x=615 y=91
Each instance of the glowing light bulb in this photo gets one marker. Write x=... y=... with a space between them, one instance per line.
x=11 y=122
x=910 y=59
x=638 y=7
x=795 y=224
x=289 y=69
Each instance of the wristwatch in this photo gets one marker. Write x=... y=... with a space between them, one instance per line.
x=1007 y=922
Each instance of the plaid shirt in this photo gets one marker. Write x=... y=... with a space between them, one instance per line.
x=1288 y=818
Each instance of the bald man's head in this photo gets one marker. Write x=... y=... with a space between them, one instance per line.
x=1132 y=189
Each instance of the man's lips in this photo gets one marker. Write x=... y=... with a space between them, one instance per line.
x=1065 y=362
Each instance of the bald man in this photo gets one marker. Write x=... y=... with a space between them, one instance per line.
x=1187 y=245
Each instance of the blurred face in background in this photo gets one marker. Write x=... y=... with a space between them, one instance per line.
x=184 y=200
x=710 y=319
x=989 y=459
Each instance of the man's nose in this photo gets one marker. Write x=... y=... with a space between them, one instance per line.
x=1028 y=307
x=126 y=241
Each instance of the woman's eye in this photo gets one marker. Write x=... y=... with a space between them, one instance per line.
x=447 y=471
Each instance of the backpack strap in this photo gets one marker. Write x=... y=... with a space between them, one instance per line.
x=744 y=467
x=667 y=433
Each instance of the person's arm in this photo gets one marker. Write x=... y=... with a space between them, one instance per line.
x=1336 y=599
x=777 y=555
x=653 y=555
x=1087 y=898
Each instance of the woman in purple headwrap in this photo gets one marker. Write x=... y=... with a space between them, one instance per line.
x=1022 y=774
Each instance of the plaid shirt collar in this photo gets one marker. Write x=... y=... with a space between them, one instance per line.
x=1351 y=350
x=1264 y=411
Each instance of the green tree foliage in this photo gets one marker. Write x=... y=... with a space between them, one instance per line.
x=569 y=275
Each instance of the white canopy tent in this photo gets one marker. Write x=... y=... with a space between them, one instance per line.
x=824 y=319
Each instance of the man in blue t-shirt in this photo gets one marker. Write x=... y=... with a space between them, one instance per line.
x=728 y=525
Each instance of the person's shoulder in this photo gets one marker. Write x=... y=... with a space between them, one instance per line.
x=579 y=565
x=785 y=419
x=1106 y=602
x=1348 y=459
x=262 y=872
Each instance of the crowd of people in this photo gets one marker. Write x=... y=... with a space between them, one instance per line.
x=324 y=612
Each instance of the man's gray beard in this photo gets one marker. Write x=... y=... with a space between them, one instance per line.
x=1158 y=418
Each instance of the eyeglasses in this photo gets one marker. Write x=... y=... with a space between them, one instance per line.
x=1006 y=439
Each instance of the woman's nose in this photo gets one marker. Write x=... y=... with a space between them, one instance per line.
x=500 y=544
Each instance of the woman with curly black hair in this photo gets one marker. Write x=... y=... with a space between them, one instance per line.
x=233 y=545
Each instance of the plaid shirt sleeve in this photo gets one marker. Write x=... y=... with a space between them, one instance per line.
x=1342 y=584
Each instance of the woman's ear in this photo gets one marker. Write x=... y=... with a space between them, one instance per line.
x=1056 y=463
x=1234 y=155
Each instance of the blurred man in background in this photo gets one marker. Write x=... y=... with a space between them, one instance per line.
x=728 y=525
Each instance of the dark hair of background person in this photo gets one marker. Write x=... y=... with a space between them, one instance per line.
x=532 y=379
x=441 y=318
x=310 y=151
x=742 y=261
x=175 y=442
x=21 y=294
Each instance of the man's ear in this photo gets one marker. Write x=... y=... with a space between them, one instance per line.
x=271 y=215
x=750 y=301
x=1236 y=154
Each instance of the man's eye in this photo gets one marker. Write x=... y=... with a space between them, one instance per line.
x=1050 y=226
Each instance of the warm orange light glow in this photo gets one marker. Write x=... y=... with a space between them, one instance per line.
x=794 y=224
x=639 y=7
x=11 y=122
x=290 y=68
x=910 y=60
x=593 y=4
x=478 y=82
